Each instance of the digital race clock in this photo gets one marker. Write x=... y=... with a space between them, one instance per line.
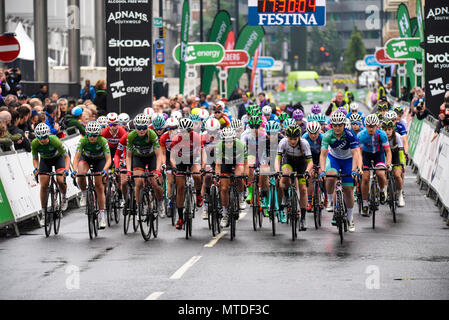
x=286 y=6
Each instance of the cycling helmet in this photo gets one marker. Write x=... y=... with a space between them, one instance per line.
x=348 y=124
x=186 y=124
x=372 y=120
x=355 y=117
x=311 y=117
x=298 y=115
x=293 y=131
x=272 y=127
x=195 y=110
x=353 y=107
x=338 y=118
x=236 y=124
x=130 y=126
x=212 y=125
x=93 y=127
x=217 y=107
x=316 y=109
x=158 y=123
x=123 y=118
x=177 y=114
x=204 y=114
x=195 y=117
x=288 y=123
x=321 y=117
x=382 y=105
x=255 y=122
x=388 y=125
x=283 y=116
x=155 y=115
x=148 y=111
x=255 y=112
x=141 y=120
x=313 y=127
x=399 y=110
x=166 y=115
x=391 y=115
x=228 y=134
x=267 y=110
x=343 y=109
x=77 y=111
x=42 y=130
x=112 y=117
x=172 y=123
x=103 y=121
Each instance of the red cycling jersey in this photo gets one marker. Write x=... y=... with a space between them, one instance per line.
x=120 y=154
x=113 y=140
x=192 y=146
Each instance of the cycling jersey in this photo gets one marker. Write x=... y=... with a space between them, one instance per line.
x=339 y=148
x=189 y=148
x=295 y=158
x=97 y=150
x=210 y=143
x=373 y=143
x=400 y=128
x=397 y=148
x=143 y=146
x=53 y=149
x=315 y=147
x=273 y=117
x=256 y=145
x=120 y=154
x=235 y=155
x=224 y=121
x=113 y=140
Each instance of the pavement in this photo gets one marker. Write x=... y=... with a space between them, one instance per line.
x=404 y=260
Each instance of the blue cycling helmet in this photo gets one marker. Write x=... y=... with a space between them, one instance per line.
x=272 y=127
x=288 y=122
x=195 y=118
x=159 y=123
x=311 y=117
x=321 y=117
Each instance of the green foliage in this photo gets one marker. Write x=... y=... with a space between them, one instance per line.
x=355 y=51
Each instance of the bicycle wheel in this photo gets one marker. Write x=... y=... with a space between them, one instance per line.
x=90 y=211
x=392 y=197
x=232 y=213
x=187 y=213
x=95 y=215
x=48 y=214
x=255 y=205
x=173 y=207
x=116 y=205
x=273 y=209
x=127 y=210
x=294 y=214
x=339 y=215
x=109 y=194
x=192 y=210
x=154 y=215
x=359 y=196
x=144 y=214
x=57 y=212
x=216 y=228
x=373 y=205
x=316 y=206
x=135 y=215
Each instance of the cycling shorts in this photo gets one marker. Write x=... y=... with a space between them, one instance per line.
x=139 y=163
x=46 y=165
x=378 y=158
x=335 y=164
x=295 y=164
x=97 y=165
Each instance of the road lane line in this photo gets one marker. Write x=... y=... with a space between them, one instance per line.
x=154 y=295
x=178 y=274
x=214 y=241
x=242 y=215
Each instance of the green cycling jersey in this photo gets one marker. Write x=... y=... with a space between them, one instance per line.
x=97 y=150
x=237 y=154
x=52 y=149
x=143 y=146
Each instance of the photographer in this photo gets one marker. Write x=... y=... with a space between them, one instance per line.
x=13 y=77
x=419 y=109
x=443 y=117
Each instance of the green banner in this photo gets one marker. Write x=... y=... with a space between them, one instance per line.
x=6 y=214
x=218 y=33
x=404 y=49
x=297 y=96
x=249 y=39
x=185 y=26
x=413 y=135
x=201 y=53
x=405 y=31
x=420 y=20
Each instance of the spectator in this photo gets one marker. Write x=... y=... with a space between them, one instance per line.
x=5 y=118
x=405 y=95
x=93 y=111
x=419 y=109
x=73 y=119
x=5 y=142
x=34 y=119
x=42 y=94
x=101 y=97
x=203 y=102
x=10 y=98
x=13 y=129
x=86 y=116
x=88 y=92
x=443 y=117
x=35 y=102
x=373 y=97
x=381 y=92
x=51 y=112
x=13 y=105
x=13 y=78
x=47 y=101
x=54 y=97
x=23 y=98
x=24 y=115
x=262 y=100
x=336 y=103
x=62 y=106
x=243 y=106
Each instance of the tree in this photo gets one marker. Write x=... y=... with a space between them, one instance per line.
x=355 y=51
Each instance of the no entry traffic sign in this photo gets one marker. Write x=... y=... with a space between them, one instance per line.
x=9 y=48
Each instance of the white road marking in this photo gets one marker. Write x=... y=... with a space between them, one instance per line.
x=214 y=241
x=154 y=295
x=242 y=215
x=178 y=274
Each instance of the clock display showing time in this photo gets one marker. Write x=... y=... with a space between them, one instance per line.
x=286 y=6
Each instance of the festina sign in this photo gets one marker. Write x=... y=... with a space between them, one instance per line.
x=436 y=13
x=129 y=53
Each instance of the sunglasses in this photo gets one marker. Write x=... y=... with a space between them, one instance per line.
x=355 y=123
x=371 y=127
x=91 y=135
x=42 y=138
x=171 y=129
x=338 y=125
x=113 y=124
x=142 y=128
x=217 y=112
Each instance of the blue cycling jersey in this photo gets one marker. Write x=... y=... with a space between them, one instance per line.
x=339 y=148
x=374 y=143
x=400 y=128
x=315 y=146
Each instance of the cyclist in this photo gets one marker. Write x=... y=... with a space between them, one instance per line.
x=339 y=151
x=103 y=121
x=373 y=142
x=143 y=149
x=354 y=109
x=314 y=137
x=52 y=154
x=219 y=114
x=356 y=123
x=382 y=107
x=237 y=125
x=295 y=156
x=397 y=156
x=148 y=112
x=113 y=132
x=158 y=125
x=120 y=163
x=321 y=118
x=298 y=116
x=123 y=120
x=282 y=117
x=316 y=109
x=187 y=153
x=267 y=112
x=197 y=122
x=400 y=112
x=399 y=128
x=231 y=157
x=93 y=151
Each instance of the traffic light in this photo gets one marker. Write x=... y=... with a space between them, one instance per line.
x=322 y=49
x=327 y=54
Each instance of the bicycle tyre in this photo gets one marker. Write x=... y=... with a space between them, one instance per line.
x=109 y=194
x=192 y=210
x=316 y=206
x=359 y=196
x=215 y=212
x=294 y=214
x=187 y=214
x=273 y=209
x=95 y=215
x=231 y=213
x=173 y=205
x=135 y=215
x=340 y=215
x=57 y=213
x=90 y=214
x=48 y=213
x=154 y=215
x=116 y=205
x=144 y=210
x=255 y=207
x=127 y=211
x=392 y=198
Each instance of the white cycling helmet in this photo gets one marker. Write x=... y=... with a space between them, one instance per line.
x=93 y=127
x=348 y=124
x=123 y=118
x=172 y=123
x=112 y=117
x=177 y=115
x=149 y=112
x=186 y=124
x=228 y=134
x=353 y=107
x=391 y=115
x=103 y=121
x=141 y=120
x=355 y=117
x=338 y=117
x=42 y=130
x=237 y=124
x=267 y=110
x=313 y=127
x=212 y=125
x=372 y=120
x=203 y=114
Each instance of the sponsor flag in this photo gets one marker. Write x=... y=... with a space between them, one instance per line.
x=405 y=31
x=185 y=26
x=253 y=72
x=249 y=39
x=218 y=33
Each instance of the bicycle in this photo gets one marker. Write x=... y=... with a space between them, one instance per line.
x=255 y=200
x=52 y=214
x=392 y=192
x=358 y=193
x=234 y=204
x=91 y=203
x=112 y=198
x=165 y=196
x=273 y=203
x=374 y=193
x=130 y=209
x=147 y=208
x=317 y=198
x=212 y=198
x=292 y=202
